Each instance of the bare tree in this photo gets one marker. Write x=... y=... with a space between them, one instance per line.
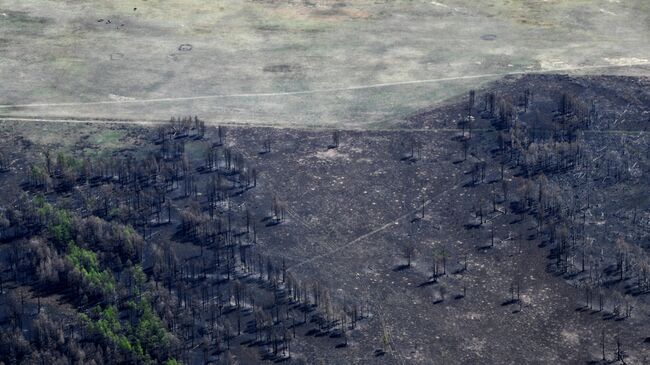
x=336 y=135
x=409 y=251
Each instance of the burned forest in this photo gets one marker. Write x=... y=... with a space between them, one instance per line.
x=509 y=225
x=345 y=182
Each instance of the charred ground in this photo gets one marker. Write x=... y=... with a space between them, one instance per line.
x=509 y=225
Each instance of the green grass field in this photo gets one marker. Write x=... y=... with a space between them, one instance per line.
x=69 y=51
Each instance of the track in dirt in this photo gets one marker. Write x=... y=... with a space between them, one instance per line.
x=371 y=233
x=320 y=91
x=147 y=123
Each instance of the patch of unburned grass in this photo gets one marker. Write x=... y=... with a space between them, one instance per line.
x=107 y=138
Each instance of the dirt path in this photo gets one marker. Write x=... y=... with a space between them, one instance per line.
x=371 y=233
x=320 y=91
x=253 y=124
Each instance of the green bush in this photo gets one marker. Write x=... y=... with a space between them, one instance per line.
x=86 y=263
x=60 y=224
x=143 y=338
